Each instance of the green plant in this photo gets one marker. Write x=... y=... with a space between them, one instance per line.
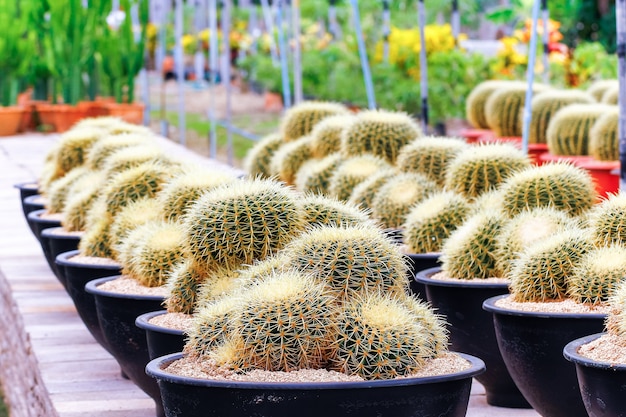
x=484 y=167
x=475 y=111
x=182 y=283
x=240 y=222
x=379 y=132
x=211 y=325
x=350 y=259
x=432 y=221
x=301 y=119
x=382 y=337
x=59 y=189
x=314 y=175
x=364 y=193
x=599 y=87
x=568 y=130
x=352 y=172
x=290 y=157
x=430 y=156
x=525 y=229
x=597 y=274
x=133 y=215
x=320 y=210
x=546 y=104
x=108 y=145
x=132 y=157
x=398 y=195
x=326 y=135
x=560 y=185
x=79 y=204
x=469 y=251
x=607 y=220
x=96 y=239
x=540 y=273
x=16 y=49
x=504 y=106
x=258 y=159
x=73 y=148
x=603 y=137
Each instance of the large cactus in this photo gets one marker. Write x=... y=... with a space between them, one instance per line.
x=301 y=119
x=326 y=135
x=598 y=88
x=430 y=156
x=352 y=172
x=475 y=111
x=504 y=106
x=259 y=158
x=568 y=130
x=603 y=137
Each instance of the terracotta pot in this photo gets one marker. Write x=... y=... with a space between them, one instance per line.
x=66 y=116
x=473 y=135
x=272 y=101
x=549 y=157
x=129 y=112
x=45 y=115
x=10 y=118
x=535 y=150
x=28 y=122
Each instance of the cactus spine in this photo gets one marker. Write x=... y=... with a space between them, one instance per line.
x=320 y=210
x=568 y=131
x=607 y=220
x=364 y=193
x=430 y=156
x=603 y=137
x=301 y=119
x=182 y=284
x=314 y=176
x=258 y=160
x=504 y=106
x=103 y=149
x=476 y=101
x=290 y=157
x=352 y=172
x=597 y=275
x=326 y=135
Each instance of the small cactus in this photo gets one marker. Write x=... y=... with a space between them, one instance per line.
x=380 y=338
x=59 y=190
x=352 y=172
x=541 y=272
x=241 y=222
x=258 y=159
x=314 y=175
x=77 y=207
x=211 y=325
x=96 y=240
x=350 y=259
x=364 y=193
x=288 y=159
x=546 y=104
x=597 y=275
x=132 y=157
x=482 y=168
x=560 y=185
x=432 y=221
x=379 y=132
x=504 y=106
x=99 y=152
x=607 y=220
x=616 y=320
x=103 y=122
x=182 y=283
x=430 y=156
x=611 y=96
x=326 y=135
x=130 y=217
x=568 y=130
x=598 y=88
x=218 y=283
x=470 y=250
x=475 y=111
x=320 y=210
x=73 y=148
x=301 y=119
x=396 y=198
x=603 y=137
x=491 y=202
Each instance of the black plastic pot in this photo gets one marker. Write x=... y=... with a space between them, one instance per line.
x=418 y=262
x=531 y=344
x=442 y=396
x=602 y=384
x=471 y=331
x=161 y=340
x=30 y=204
x=127 y=342
x=53 y=244
x=76 y=275
x=27 y=189
x=38 y=223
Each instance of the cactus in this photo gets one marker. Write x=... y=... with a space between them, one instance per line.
x=326 y=135
x=241 y=222
x=181 y=192
x=607 y=220
x=597 y=275
x=470 y=250
x=598 y=88
x=59 y=189
x=153 y=258
x=288 y=159
x=430 y=222
x=491 y=202
x=314 y=175
x=504 y=106
x=78 y=205
x=379 y=132
x=258 y=159
x=96 y=240
x=320 y=210
x=182 y=284
x=99 y=152
x=616 y=320
x=568 y=130
x=611 y=95
x=285 y=323
x=540 y=273
x=430 y=156
x=380 y=338
x=102 y=122
x=364 y=193
x=211 y=327
x=352 y=172
x=546 y=104
x=132 y=157
x=350 y=259
x=133 y=215
x=603 y=137
x=560 y=185
x=218 y=283
x=477 y=100
x=527 y=228
x=73 y=148
x=482 y=168
x=396 y=198
x=301 y=119
x=128 y=128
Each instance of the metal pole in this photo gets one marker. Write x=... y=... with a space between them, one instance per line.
x=180 y=70
x=386 y=30
x=143 y=74
x=115 y=5
x=365 y=66
x=160 y=56
x=213 y=65
x=456 y=21
x=297 y=59
x=253 y=26
x=532 y=49
x=545 y=13
x=620 y=15
x=269 y=26
x=332 y=19
x=198 y=58
x=421 y=21
x=226 y=78
x=283 y=56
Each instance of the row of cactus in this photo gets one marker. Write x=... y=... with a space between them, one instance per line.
x=274 y=278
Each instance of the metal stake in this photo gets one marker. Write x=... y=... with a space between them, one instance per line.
x=421 y=21
x=365 y=66
x=297 y=59
x=545 y=13
x=226 y=78
x=386 y=30
x=620 y=15
x=532 y=49
x=213 y=66
x=180 y=70
x=284 y=68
